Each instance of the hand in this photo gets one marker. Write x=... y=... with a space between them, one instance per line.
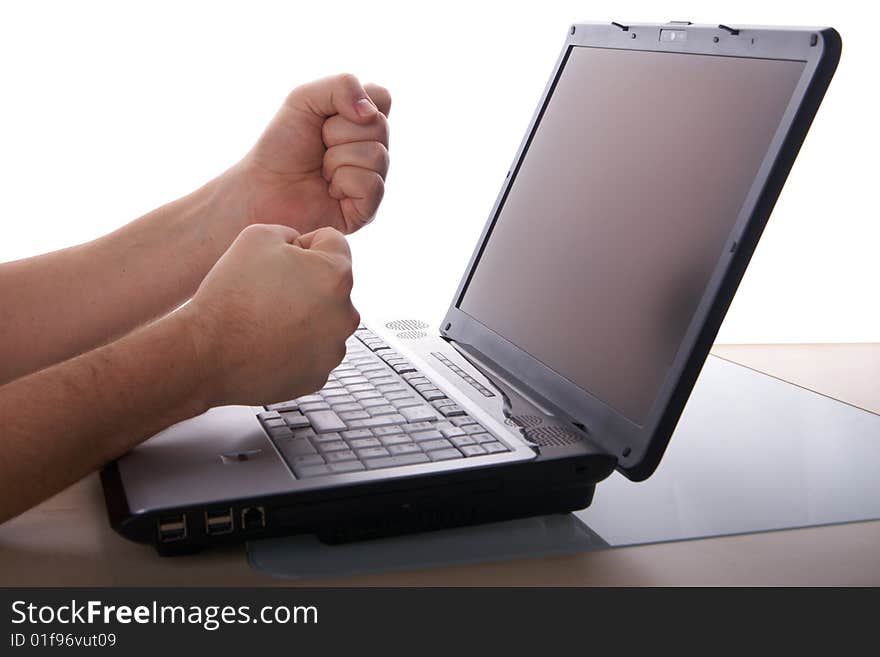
x=270 y=320
x=323 y=159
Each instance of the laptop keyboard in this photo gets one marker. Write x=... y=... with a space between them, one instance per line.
x=376 y=411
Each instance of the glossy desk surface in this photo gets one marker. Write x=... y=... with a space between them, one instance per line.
x=66 y=540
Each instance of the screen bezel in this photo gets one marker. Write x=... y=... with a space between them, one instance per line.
x=640 y=447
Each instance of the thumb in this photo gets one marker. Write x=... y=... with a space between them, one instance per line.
x=326 y=240
x=339 y=94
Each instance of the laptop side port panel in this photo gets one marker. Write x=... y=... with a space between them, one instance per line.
x=172 y=528
x=253 y=518
x=219 y=521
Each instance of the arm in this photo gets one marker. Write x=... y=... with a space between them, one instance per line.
x=279 y=298
x=321 y=162
x=65 y=303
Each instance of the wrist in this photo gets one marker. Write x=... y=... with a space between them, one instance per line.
x=199 y=363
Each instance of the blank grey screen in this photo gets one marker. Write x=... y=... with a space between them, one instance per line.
x=620 y=210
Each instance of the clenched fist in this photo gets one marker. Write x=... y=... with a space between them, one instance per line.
x=270 y=320
x=322 y=160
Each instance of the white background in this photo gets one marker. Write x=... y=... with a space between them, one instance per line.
x=110 y=109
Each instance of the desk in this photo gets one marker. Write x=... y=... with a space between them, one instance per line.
x=66 y=541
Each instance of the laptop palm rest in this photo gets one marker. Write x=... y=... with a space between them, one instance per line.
x=751 y=453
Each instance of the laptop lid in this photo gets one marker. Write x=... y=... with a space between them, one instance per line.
x=626 y=222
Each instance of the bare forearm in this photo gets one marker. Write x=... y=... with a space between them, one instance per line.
x=63 y=422
x=61 y=304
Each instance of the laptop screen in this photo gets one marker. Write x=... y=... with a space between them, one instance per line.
x=619 y=211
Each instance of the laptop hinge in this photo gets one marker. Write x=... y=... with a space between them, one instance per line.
x=507 y=383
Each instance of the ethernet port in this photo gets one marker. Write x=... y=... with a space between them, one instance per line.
x=253 y=517
x=172 y=528
x=219 y=521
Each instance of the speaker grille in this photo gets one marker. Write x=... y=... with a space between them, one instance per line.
x=412 y=335
x=552 y=436
x=406 y=325
x=525 y=421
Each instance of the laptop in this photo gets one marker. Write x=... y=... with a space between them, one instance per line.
x=572 y=343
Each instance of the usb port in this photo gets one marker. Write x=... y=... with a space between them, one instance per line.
x=218 y=522
x=253 y=517
x=172 y=528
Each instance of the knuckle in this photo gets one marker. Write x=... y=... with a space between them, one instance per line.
x=345 y=277
x=383 y=129
x=380 y=156
x=355 y=319
x=347 y=79
x=376 y=186
x=254 y=231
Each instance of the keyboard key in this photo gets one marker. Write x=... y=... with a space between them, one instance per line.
x=481 y=438
x=296 y=447
x=357 y=433
x=376 y=401
x=268 y=415
x=325 y=438
x=333 y=446
x=351 y=373
x=383 y=410
x=359 y=443
x=346 y=466
x=432 y=395
x=371 y=453
x=304 y=433
x=280 y=432
x=283 y=406
x=382 y=420
x=341 y=455
x=461 y=441
x=274 y=422
x=452 y=411
x=412 y=427
x=325 y=421
x=308 y=399
x=444 y=454
x=473 y=428
x=430 y=445
x=452 y=432
x=473 y=450
x=296 y=420
x=404 y=448
x=347 y=416
x=314 y=406
x=311 y=471
x=342 y=408
x=336 y=395
x=406 y=402
x=403 y=368
x=462 y=420
x=396 y=439
x=415 y=379
x=418 y=413
x=390 y=430
x=431 y=434
x=395 y=461
x=307 y=459
x=443 y=402
x=402 y=394
x=494 y=448
x=385 y=388
x=361 y=395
